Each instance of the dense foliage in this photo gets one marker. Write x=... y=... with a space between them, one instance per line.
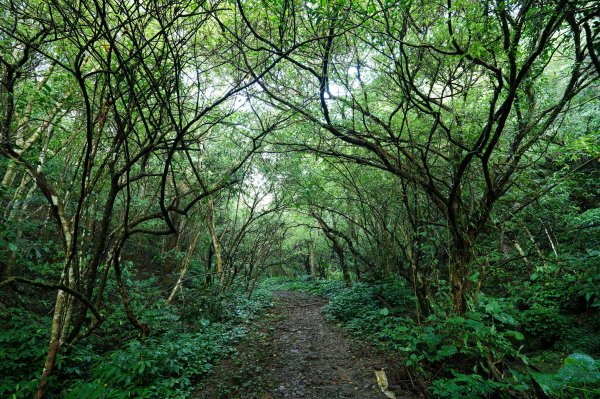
x=489 y=351
x=160 y=160
x=186 y=342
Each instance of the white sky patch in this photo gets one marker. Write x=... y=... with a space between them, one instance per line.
x=338 y=90
x=241 y=102
x=260 y=187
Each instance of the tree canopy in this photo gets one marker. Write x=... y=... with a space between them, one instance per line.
x=454 y=145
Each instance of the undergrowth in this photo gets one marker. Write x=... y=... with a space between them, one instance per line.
x=186 y=340
x=482 y=354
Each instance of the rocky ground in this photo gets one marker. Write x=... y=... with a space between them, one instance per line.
x=295 y=353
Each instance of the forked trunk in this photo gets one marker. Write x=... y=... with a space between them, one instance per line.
x=337 y=248
x=422 y=292
x=184 y=267
x=60 y=320
x=116 y=264
x=54 y=345
x=460 y=257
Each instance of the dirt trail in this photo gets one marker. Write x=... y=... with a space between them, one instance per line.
x=297 y=354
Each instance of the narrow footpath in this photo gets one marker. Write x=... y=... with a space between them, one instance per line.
x=295 y=353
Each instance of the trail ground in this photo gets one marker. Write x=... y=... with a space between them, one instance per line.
x=293 y=352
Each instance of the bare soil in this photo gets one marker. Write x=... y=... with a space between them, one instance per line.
x=294 y=353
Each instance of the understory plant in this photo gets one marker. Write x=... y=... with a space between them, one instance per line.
x=185 y=341
x=481 y=354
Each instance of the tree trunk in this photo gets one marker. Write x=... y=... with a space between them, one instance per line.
x=340 y=252
x=116 y=262
x=60 y=320
x=253 y=285
x=387 y=267
x=313 y=268
x=172 y=245
x=337 y=249
x=216 y=244
x=184 y=267
x=421 y=290
x=460 y=256
x=54 y=345
x=209 y=271
x=307 y=264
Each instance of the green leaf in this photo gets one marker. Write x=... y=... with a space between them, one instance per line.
x=492 y=307
x=519 y=336
x=474 y=277
x=12 y=247
x=447 y=350
x=505 y=318
x=384 y=312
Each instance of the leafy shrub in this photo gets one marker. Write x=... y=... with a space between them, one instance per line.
x=463 y=356
x=362 y=307
x=579 y=377
x=161 y=366
x=350 y=303
x=114 y=362
x=537 y=321
x=554 y=296
x=23 y=344
x=325 y=288
x=467 y=386
x=239 y=309
x=582 y=337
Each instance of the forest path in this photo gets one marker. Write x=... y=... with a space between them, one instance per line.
x=295 y=353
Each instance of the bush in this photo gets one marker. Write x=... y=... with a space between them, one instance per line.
x=23 y=344
x=463 y=357
x=114 y=362
x=536 y=321
x=579 y=377
x=467 y=386
x=348 y=304
x=325 y=288
x=161 y=366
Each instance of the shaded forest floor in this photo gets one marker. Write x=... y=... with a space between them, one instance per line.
x=294 y=353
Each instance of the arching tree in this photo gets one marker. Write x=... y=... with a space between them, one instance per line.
x=454 y=98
